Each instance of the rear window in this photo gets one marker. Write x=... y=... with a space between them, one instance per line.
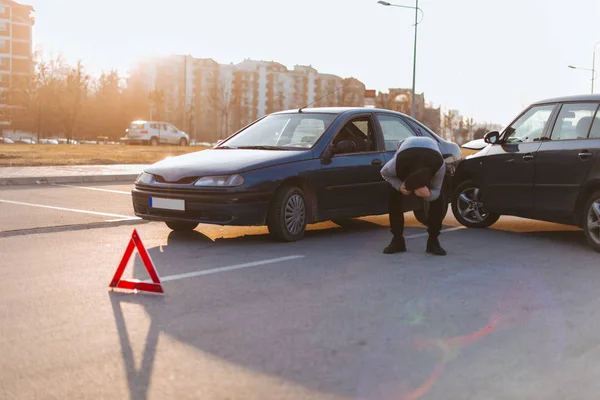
x=137 y=126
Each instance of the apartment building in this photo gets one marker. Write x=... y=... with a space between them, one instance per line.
x=212 y=100
x=16 y=49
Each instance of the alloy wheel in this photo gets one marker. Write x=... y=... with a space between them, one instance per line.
x=593 y=221
x=295 y=214
x=470 y=206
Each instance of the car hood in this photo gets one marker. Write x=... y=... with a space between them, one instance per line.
x=477 y=144
x=222 y=162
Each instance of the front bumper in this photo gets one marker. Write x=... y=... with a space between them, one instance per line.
x=236 y=209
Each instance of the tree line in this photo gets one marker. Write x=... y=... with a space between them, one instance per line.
x=59 y=99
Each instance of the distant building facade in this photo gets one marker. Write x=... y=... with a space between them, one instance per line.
x=400 y=100
x=211 y=100
x=16 y=50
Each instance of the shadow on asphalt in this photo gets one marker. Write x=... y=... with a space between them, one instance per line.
x=275 y=342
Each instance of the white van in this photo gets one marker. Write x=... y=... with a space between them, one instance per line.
x=154 y=133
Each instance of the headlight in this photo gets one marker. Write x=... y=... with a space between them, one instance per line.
x=220 y=181
x=145 y=178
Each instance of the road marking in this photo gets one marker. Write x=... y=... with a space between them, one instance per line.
x=225 y=269
x=458 y=228
x=127 y=217
x=264 y=262
x=92 y=188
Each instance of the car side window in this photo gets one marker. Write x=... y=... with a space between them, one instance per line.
x=172 y=129
x=359 y=132
x=595 y=131
x=530 y=126
x=574 y=121
x=394 y=130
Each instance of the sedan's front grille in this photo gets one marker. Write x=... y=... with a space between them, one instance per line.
x=183 y=181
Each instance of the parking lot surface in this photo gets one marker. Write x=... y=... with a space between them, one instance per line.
x=510 y=313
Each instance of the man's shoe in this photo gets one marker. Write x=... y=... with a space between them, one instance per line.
x=397 y=245
x=434 y=247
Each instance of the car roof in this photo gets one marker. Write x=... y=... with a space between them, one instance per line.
x=565 y=99
x=338 y=110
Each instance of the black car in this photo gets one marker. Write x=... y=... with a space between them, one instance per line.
x=285 y=170
x=545 y=166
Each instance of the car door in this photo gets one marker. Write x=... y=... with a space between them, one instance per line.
x=508 y=170
x=395 y=129
x=564 y=161
x=164 y=133
x=174 y=135
x=351 y=183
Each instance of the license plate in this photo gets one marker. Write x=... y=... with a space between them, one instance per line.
x=167 y=204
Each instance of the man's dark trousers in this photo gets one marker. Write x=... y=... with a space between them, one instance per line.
x=435 y=219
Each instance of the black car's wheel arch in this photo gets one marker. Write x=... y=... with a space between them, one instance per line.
x=584 y=194
x=309 y=192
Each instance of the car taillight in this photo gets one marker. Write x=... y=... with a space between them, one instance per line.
x=143 y=132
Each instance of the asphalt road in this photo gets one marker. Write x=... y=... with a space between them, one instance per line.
x=510 y=313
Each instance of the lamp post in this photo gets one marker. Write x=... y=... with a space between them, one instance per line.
x=594 y=66
x=587 y=69
x=417 y=9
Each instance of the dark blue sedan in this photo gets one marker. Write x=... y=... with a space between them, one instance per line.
x=286 y=170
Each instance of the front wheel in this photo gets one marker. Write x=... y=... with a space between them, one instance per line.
x=154 y=142
x=288 y=215
x=468 y=208
x=182 y=226
x=591 y=221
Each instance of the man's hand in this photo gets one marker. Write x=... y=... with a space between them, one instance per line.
x=423 y=192
x=404 y=191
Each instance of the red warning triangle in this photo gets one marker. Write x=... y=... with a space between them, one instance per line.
x=134 y=284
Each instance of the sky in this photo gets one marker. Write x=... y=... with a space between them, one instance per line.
x=487 y=59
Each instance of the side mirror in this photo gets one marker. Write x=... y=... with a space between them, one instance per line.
x=492 y=137
x=345 y=146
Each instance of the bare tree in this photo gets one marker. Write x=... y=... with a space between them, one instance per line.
x=72 y=94
x=33 y=97
x=222 y=99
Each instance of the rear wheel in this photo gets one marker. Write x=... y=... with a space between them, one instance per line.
x=154 y=142
x=591 y=221
x=468 y=208
x=288 y=215
x=182 y=226
x=183 y=142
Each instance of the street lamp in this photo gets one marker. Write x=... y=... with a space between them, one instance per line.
x=417 y=9
x=594 y=74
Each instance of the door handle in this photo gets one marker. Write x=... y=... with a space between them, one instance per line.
x=528 y=157
x=585 y=154
x=376 y=162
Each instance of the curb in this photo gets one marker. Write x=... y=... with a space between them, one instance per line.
x=31 y=180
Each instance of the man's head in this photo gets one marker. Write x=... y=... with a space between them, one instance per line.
x=417 y=167
x=420 y=178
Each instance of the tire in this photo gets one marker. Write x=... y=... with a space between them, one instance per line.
x=182 y=226
x=293 y=229
x=154 y=142
x=476 y=217
x=183 y=142
x=591 y=221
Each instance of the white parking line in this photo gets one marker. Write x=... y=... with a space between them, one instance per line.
x=125 y=217
x=92 y=188
x=225 y=269
x=263 y=262
x=457 y=228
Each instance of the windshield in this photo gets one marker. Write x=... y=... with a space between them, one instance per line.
x=282 y=131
